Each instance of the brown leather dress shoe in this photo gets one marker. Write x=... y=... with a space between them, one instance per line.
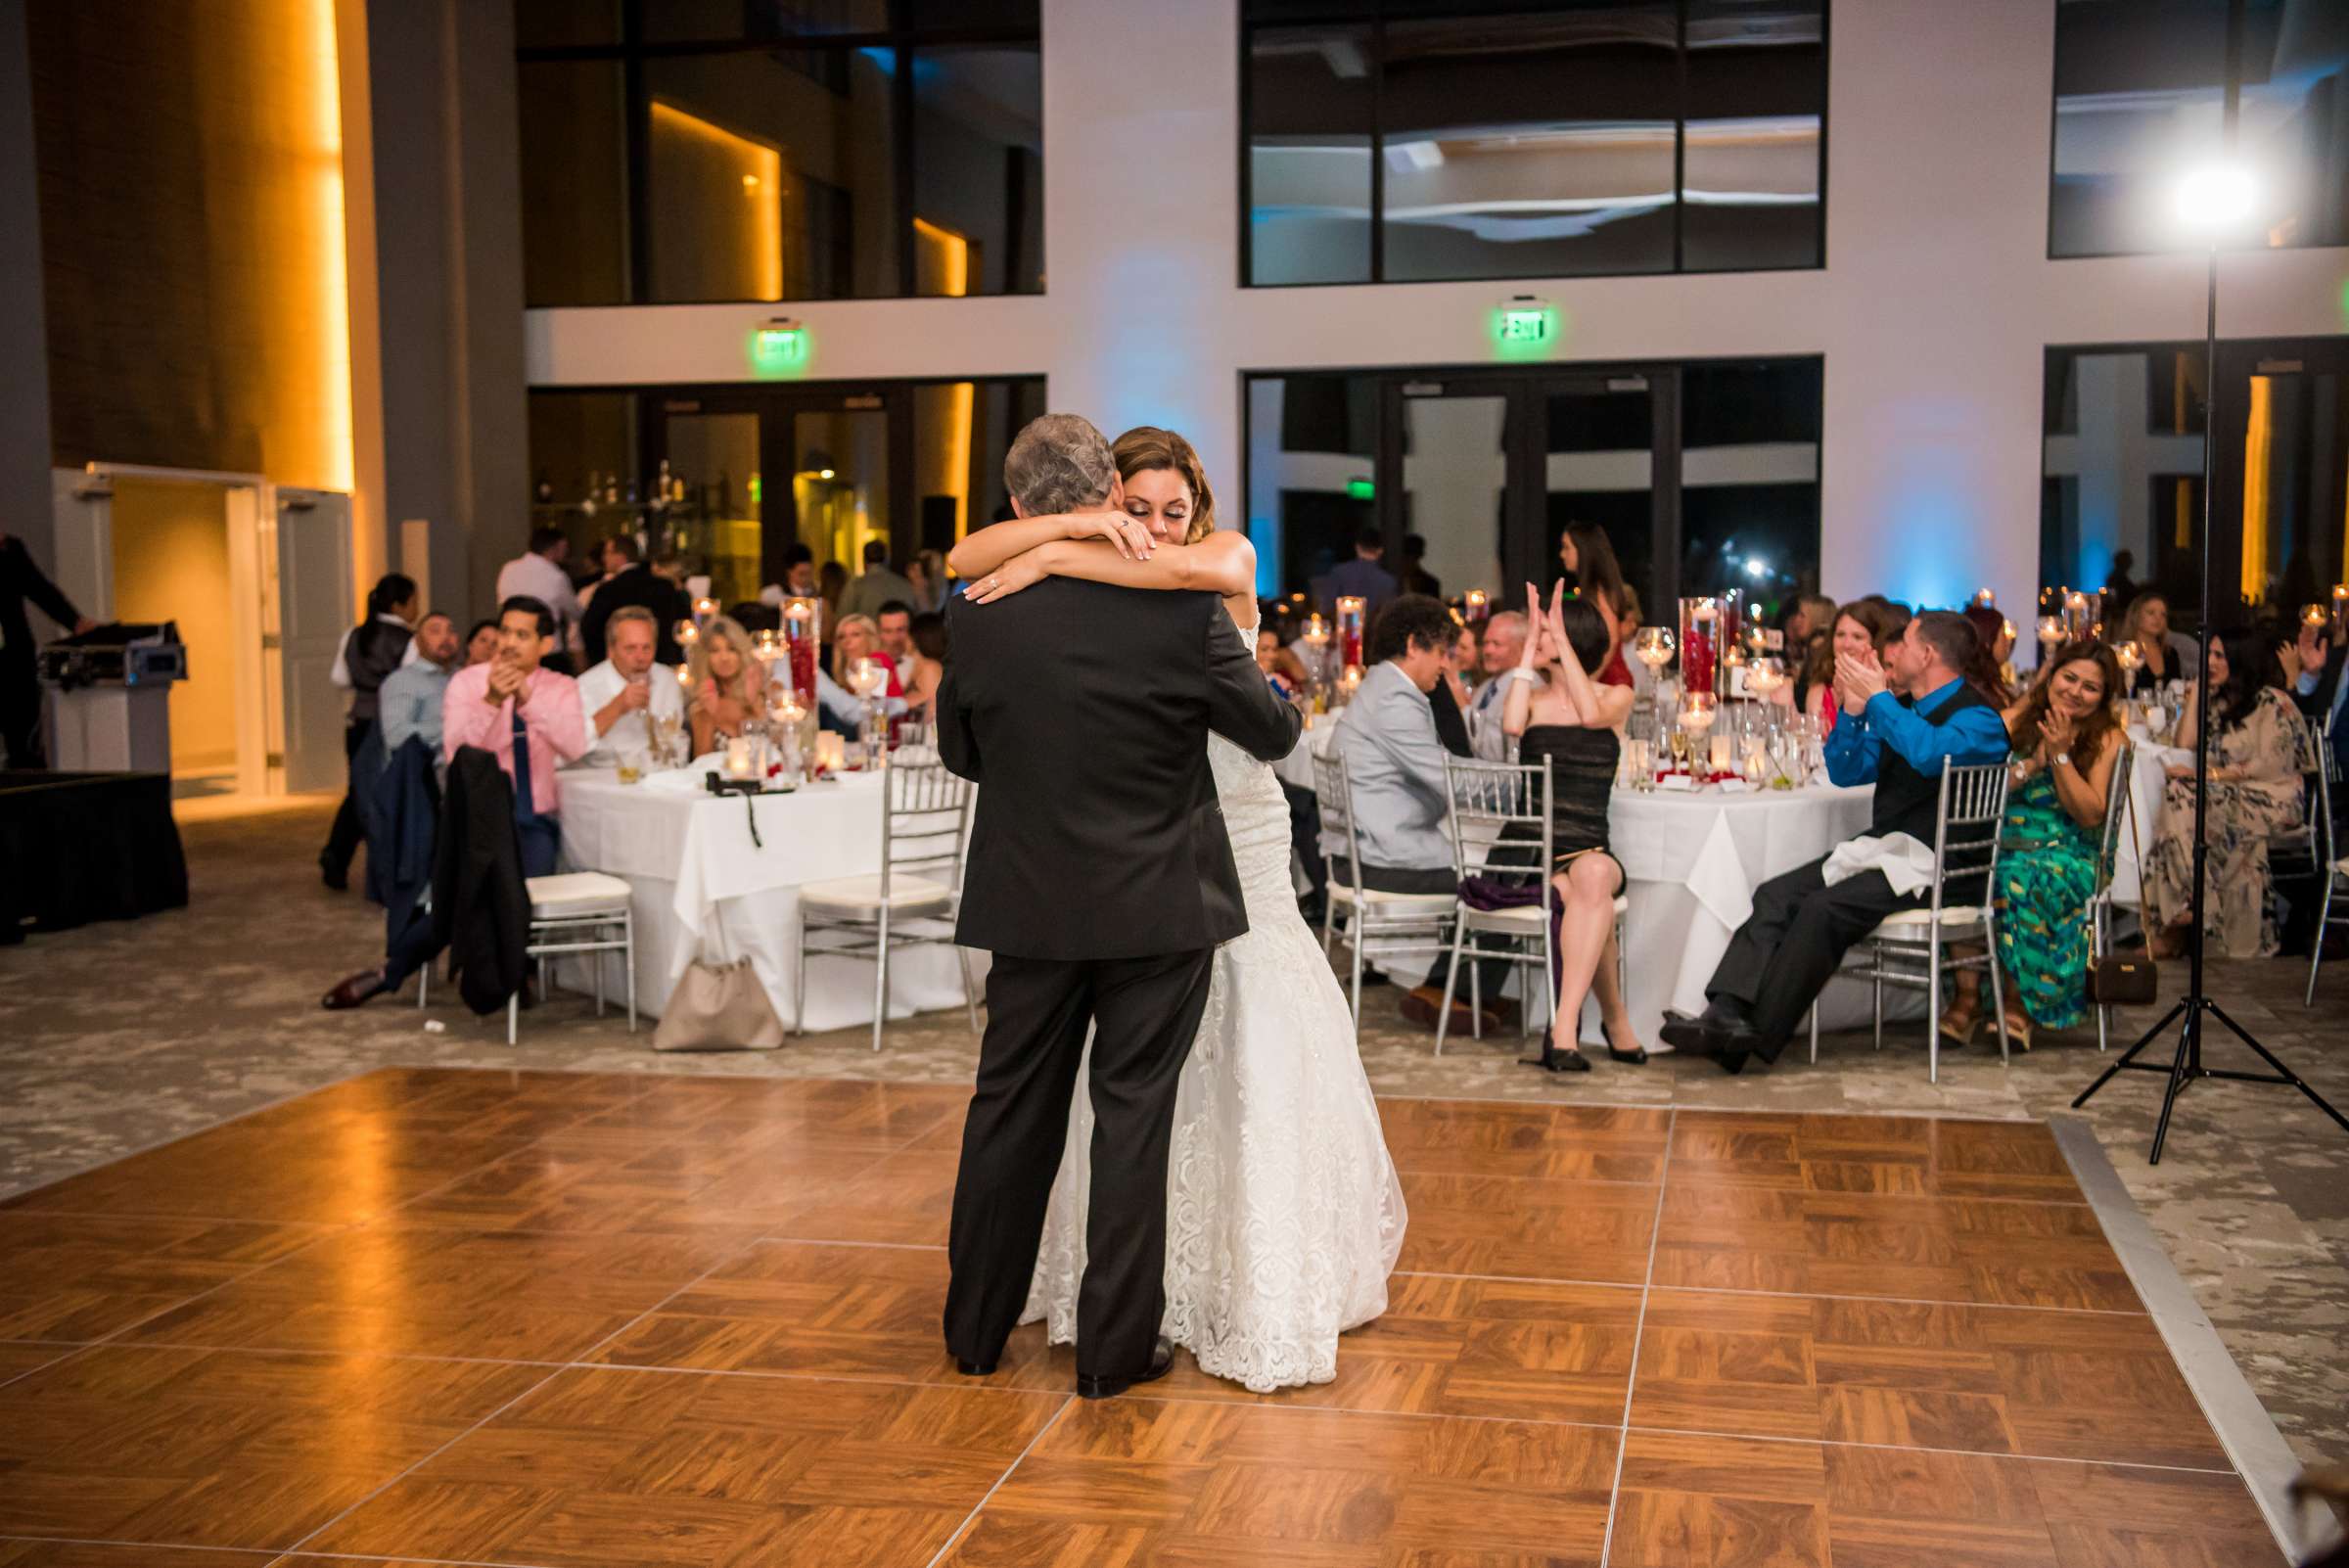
x=350 y=992
x=1420 y=1005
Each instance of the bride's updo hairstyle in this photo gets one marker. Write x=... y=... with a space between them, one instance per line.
x=1145 y=448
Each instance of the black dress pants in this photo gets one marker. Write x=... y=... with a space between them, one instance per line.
x=1145 y=1013
x=20 y=713
x=1781 y=958
x=342 y=840
x=1304 y=838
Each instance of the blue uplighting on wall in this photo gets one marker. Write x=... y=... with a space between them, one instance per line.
x=1264 y=534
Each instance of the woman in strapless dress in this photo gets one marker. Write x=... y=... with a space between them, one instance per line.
x=1575 y=724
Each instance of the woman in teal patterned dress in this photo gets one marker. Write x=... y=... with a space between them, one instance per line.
x=2068 y=739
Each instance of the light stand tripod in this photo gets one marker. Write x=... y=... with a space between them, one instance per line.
x=2195 y=1008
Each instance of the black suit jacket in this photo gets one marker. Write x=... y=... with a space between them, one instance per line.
x=1083 y=712
x=641 y=585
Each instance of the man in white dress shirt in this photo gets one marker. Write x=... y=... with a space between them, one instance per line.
x=537 y=573
x=625 y=685
x=1498 y=650
x=895 y=620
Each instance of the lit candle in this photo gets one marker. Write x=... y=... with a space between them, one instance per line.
x=2051 y=631
x=685 y=677
x=686 y=633
x=738 y=758
x=704 y=609
x=1717 y=752
x=1754 y=768
x=2312 y=615
x=1316 y=631
x=1476 y=603
x=1705 y=611
x=1351 y=618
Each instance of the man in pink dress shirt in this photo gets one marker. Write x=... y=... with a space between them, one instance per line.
x=528 y=717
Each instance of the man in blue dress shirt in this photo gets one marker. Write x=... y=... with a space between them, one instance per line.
x=1801 y=927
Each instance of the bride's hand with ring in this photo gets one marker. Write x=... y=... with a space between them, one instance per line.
x=1022 y=570
x=1131 y=538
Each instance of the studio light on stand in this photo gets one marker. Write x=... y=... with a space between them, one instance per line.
x=2214 y=202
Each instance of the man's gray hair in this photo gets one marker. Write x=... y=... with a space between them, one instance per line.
x=1060 y=463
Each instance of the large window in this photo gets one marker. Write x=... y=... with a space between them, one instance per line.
x=2143 y=94
x=1418 y=139
x=2122 y=494
x=1703 y=476
x=696 y=150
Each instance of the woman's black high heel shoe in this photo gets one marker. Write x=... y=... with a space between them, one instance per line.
x=1636 y=1056
x=1554 y=1060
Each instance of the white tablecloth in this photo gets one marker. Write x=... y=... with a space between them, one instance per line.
x=702 y=889
x=1298 y=767
x=1691 y=863
x=2148 y=776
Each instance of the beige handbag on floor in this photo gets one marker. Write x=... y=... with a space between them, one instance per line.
x=718 y=1007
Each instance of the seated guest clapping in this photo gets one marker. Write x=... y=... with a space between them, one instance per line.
x=1801 y=924
x=1572 y=723
x=1394 y=762
x=1864 y=628
x=2260 y=748
x=2068 y=739
x=628 y=693
x=526 y=716
x=729 y=685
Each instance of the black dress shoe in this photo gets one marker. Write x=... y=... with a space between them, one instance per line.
x=973 y=1369
x=1699 y=1036
x=357 y=989
x=1161 y=1362
x=336 y=877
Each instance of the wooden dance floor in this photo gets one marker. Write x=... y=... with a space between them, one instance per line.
x=603 y=1321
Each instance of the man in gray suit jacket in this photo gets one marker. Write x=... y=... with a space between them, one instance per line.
x=1395 y=764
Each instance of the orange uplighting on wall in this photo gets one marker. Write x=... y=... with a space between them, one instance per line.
x=733 y=186
x=2257 y=442
x=322 y=190
x=942 y=259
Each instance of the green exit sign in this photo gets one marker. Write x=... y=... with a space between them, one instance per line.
x=1524 y=324
x=778 y=349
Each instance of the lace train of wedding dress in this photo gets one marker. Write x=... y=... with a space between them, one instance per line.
x=1284 y=1215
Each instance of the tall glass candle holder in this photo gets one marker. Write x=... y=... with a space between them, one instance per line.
x=1701 y=644
x=803 y=639
x=2079 y=621
x=1350 y=633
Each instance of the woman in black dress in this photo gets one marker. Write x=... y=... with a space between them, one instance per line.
x=1575 y=724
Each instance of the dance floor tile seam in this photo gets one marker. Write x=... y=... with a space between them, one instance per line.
x=458 y=1374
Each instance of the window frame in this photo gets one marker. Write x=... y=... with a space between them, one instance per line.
x=901 y=38
x=1375 y=14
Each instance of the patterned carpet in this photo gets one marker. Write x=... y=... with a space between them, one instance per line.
x=117 y=1038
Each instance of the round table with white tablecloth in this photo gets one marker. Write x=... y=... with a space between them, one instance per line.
x=706 y=889
x=1691 y=861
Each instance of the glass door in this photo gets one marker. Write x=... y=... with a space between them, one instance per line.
x=1599 y=437
x=1456 y=520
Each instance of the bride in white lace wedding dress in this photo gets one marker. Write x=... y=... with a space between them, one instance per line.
x=1284 y=1213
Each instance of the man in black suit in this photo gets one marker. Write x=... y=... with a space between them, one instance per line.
x=1101 y=879
x=21 y=580
x=656 y=588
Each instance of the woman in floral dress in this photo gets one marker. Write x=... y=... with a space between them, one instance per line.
x=2260 y=748
x=2067 y=742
